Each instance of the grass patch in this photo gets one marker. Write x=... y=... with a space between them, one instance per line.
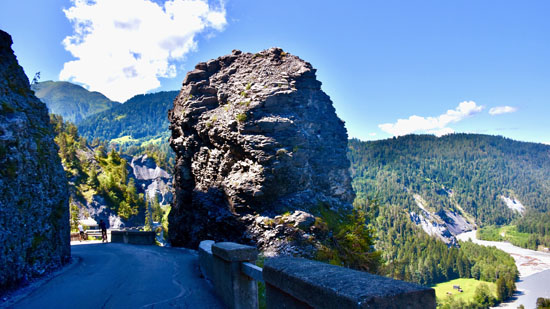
x=154 y=141
x=120 y=117
x=468 y=285
x=87 y=192
x=505 y=233
x=124 y=139
x=241 y=117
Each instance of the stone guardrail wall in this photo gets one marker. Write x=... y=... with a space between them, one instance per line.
x=133 y=237
x=300 y=283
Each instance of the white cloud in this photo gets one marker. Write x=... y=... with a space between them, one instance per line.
x=433 y=125
x=547 y=143
x=502 y=110
x=123 y=47
x=372 y=134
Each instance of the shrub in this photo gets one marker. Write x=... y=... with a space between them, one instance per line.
x=241 y=117
x=352 y=241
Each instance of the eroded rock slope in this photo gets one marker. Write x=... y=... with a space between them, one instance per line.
x=34 y=211
x=259 y=148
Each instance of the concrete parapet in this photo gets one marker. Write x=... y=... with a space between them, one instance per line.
x=235 y=288
x=301 y=283
x=233 y=252
x=133 y=237
x=221 y=263
x=206 y=260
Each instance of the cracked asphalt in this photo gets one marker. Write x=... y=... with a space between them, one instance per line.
x=116 y=275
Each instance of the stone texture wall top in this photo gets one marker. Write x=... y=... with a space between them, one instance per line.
x=255 y=137
x=34 y=209
x=321 y=285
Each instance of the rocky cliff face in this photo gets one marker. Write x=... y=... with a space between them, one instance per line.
x=34 y=211
x=153 y=180
x=259 y=148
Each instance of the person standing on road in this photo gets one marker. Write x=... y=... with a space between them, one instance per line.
x=81 y=231
x=103 y=228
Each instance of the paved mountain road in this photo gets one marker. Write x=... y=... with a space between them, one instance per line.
x=126 y=276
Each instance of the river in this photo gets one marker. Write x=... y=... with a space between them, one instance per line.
x=533 y=266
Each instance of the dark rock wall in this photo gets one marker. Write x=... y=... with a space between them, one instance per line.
x=255 y=137
x=34 y=209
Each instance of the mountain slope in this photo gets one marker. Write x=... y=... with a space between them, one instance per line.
x=72 y=102
x=141 y=118
x=491 y=178
x=451 y=184
x=424 y=185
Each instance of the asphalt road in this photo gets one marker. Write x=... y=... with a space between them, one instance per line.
x=126 y=276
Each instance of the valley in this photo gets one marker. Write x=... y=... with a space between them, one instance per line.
x=533 y=266
x=407 y=144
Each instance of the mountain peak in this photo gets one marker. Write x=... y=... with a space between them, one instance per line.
x=71 y=101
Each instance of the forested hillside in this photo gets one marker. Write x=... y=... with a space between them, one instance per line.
x=486 y=179
x=412 y=255
x=479 y=172
x=72 y=102
x=97 y=177
x=139 y=121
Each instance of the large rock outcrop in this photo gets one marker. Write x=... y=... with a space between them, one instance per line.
x=34 y=208
x=258 y=149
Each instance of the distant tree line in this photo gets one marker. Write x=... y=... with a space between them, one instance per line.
x=142 y=117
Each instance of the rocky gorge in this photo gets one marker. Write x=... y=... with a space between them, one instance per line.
x=259 y=150
x=151 y=181
x=34 y=209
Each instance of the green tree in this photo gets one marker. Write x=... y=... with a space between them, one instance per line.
x=352 y=243
x=483 y=297
x=148 y=216
x=157 y=210
x=36 y=78
x=502 y=289
x=543 y=303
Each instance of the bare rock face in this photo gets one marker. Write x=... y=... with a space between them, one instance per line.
x=259 y=147
x=155 y=182
x=34 y=202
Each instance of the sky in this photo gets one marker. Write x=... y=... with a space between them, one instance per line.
x=390 y=67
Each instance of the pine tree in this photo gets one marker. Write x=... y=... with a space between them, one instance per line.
x=148 y=216
x=502 y=289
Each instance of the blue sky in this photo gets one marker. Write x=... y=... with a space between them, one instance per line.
x=390 y=67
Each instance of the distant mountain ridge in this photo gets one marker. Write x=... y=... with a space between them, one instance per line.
x=140 y=119
x=72 y=102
